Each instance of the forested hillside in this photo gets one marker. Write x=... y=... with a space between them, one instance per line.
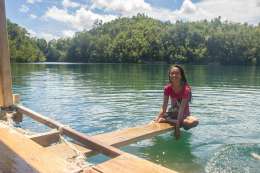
x=23 y=48
x=141 y=39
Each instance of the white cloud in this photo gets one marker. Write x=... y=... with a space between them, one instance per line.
x=33 y=16
x=57 y=14
x=47 y=36
x=83 y=18
x=122 y=6
x=233 y=10
x=33 y=1
x=70 y=4
x=24 y=9
x=68 y=33
x=31 y=32
x=188 y=7
x=128 y=8
x=190 y=11
x=80 y=19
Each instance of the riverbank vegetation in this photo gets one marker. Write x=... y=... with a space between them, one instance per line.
x=141 y=39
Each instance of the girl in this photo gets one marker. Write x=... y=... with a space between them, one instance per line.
x=179 y=92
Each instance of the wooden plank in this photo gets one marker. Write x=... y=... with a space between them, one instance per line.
x=46 y=139
x=16 y=98
x=65 y=150
x=83 y=149
x=21 y=155
x=38 y=117
x=62 y=150
x=130 y=135
x=6 y=98
x=94 y=144
x=118 y=138
x=130 y=164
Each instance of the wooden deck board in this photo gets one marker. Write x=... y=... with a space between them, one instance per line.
x=59 y=154
x=129 y=135
x=94 y=144
x=131 y=164
x=117 y=138
x=65 y=151
x=47 y=138
x=23 y=155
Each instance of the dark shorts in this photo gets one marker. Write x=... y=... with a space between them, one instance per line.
x=173 y=116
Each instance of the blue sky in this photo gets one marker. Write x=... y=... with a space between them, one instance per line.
x=62 y=18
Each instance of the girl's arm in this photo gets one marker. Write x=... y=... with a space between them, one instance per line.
x=184 y=102
x=180 y=118
x=164 y=106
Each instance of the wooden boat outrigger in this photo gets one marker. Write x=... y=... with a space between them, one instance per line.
x=45 y=153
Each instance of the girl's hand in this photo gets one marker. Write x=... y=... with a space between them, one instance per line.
x=158 y=117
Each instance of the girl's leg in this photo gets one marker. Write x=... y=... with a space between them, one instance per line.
x=167 y=120
x=190 y=122
x=172 y=122
x=169 y=117
x=162 y=120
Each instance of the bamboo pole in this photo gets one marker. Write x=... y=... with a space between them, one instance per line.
x=6 y=98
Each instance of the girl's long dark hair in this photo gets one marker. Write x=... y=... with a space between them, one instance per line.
x=183 y=77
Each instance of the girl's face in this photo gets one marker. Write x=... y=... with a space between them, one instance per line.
x=175 y=75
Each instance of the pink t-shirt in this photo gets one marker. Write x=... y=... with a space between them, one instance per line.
x=176 y=98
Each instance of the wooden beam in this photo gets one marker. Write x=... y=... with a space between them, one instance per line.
x=117 y=138
x=46 y=139
x=38 y=117
x=128 y=163
x=92 y=143
x=121 y=161
x=16 y=98
x=130 y=135
x=6 y=99
x=124 y=137
x=89 y=141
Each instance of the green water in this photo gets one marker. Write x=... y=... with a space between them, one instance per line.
x=98 y=98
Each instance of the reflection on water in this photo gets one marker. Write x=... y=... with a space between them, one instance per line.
x=165 y=150
x=235 y=158
x=97 y=98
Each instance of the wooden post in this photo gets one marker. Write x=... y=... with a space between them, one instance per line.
x=16 y=99
x=6 y=98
